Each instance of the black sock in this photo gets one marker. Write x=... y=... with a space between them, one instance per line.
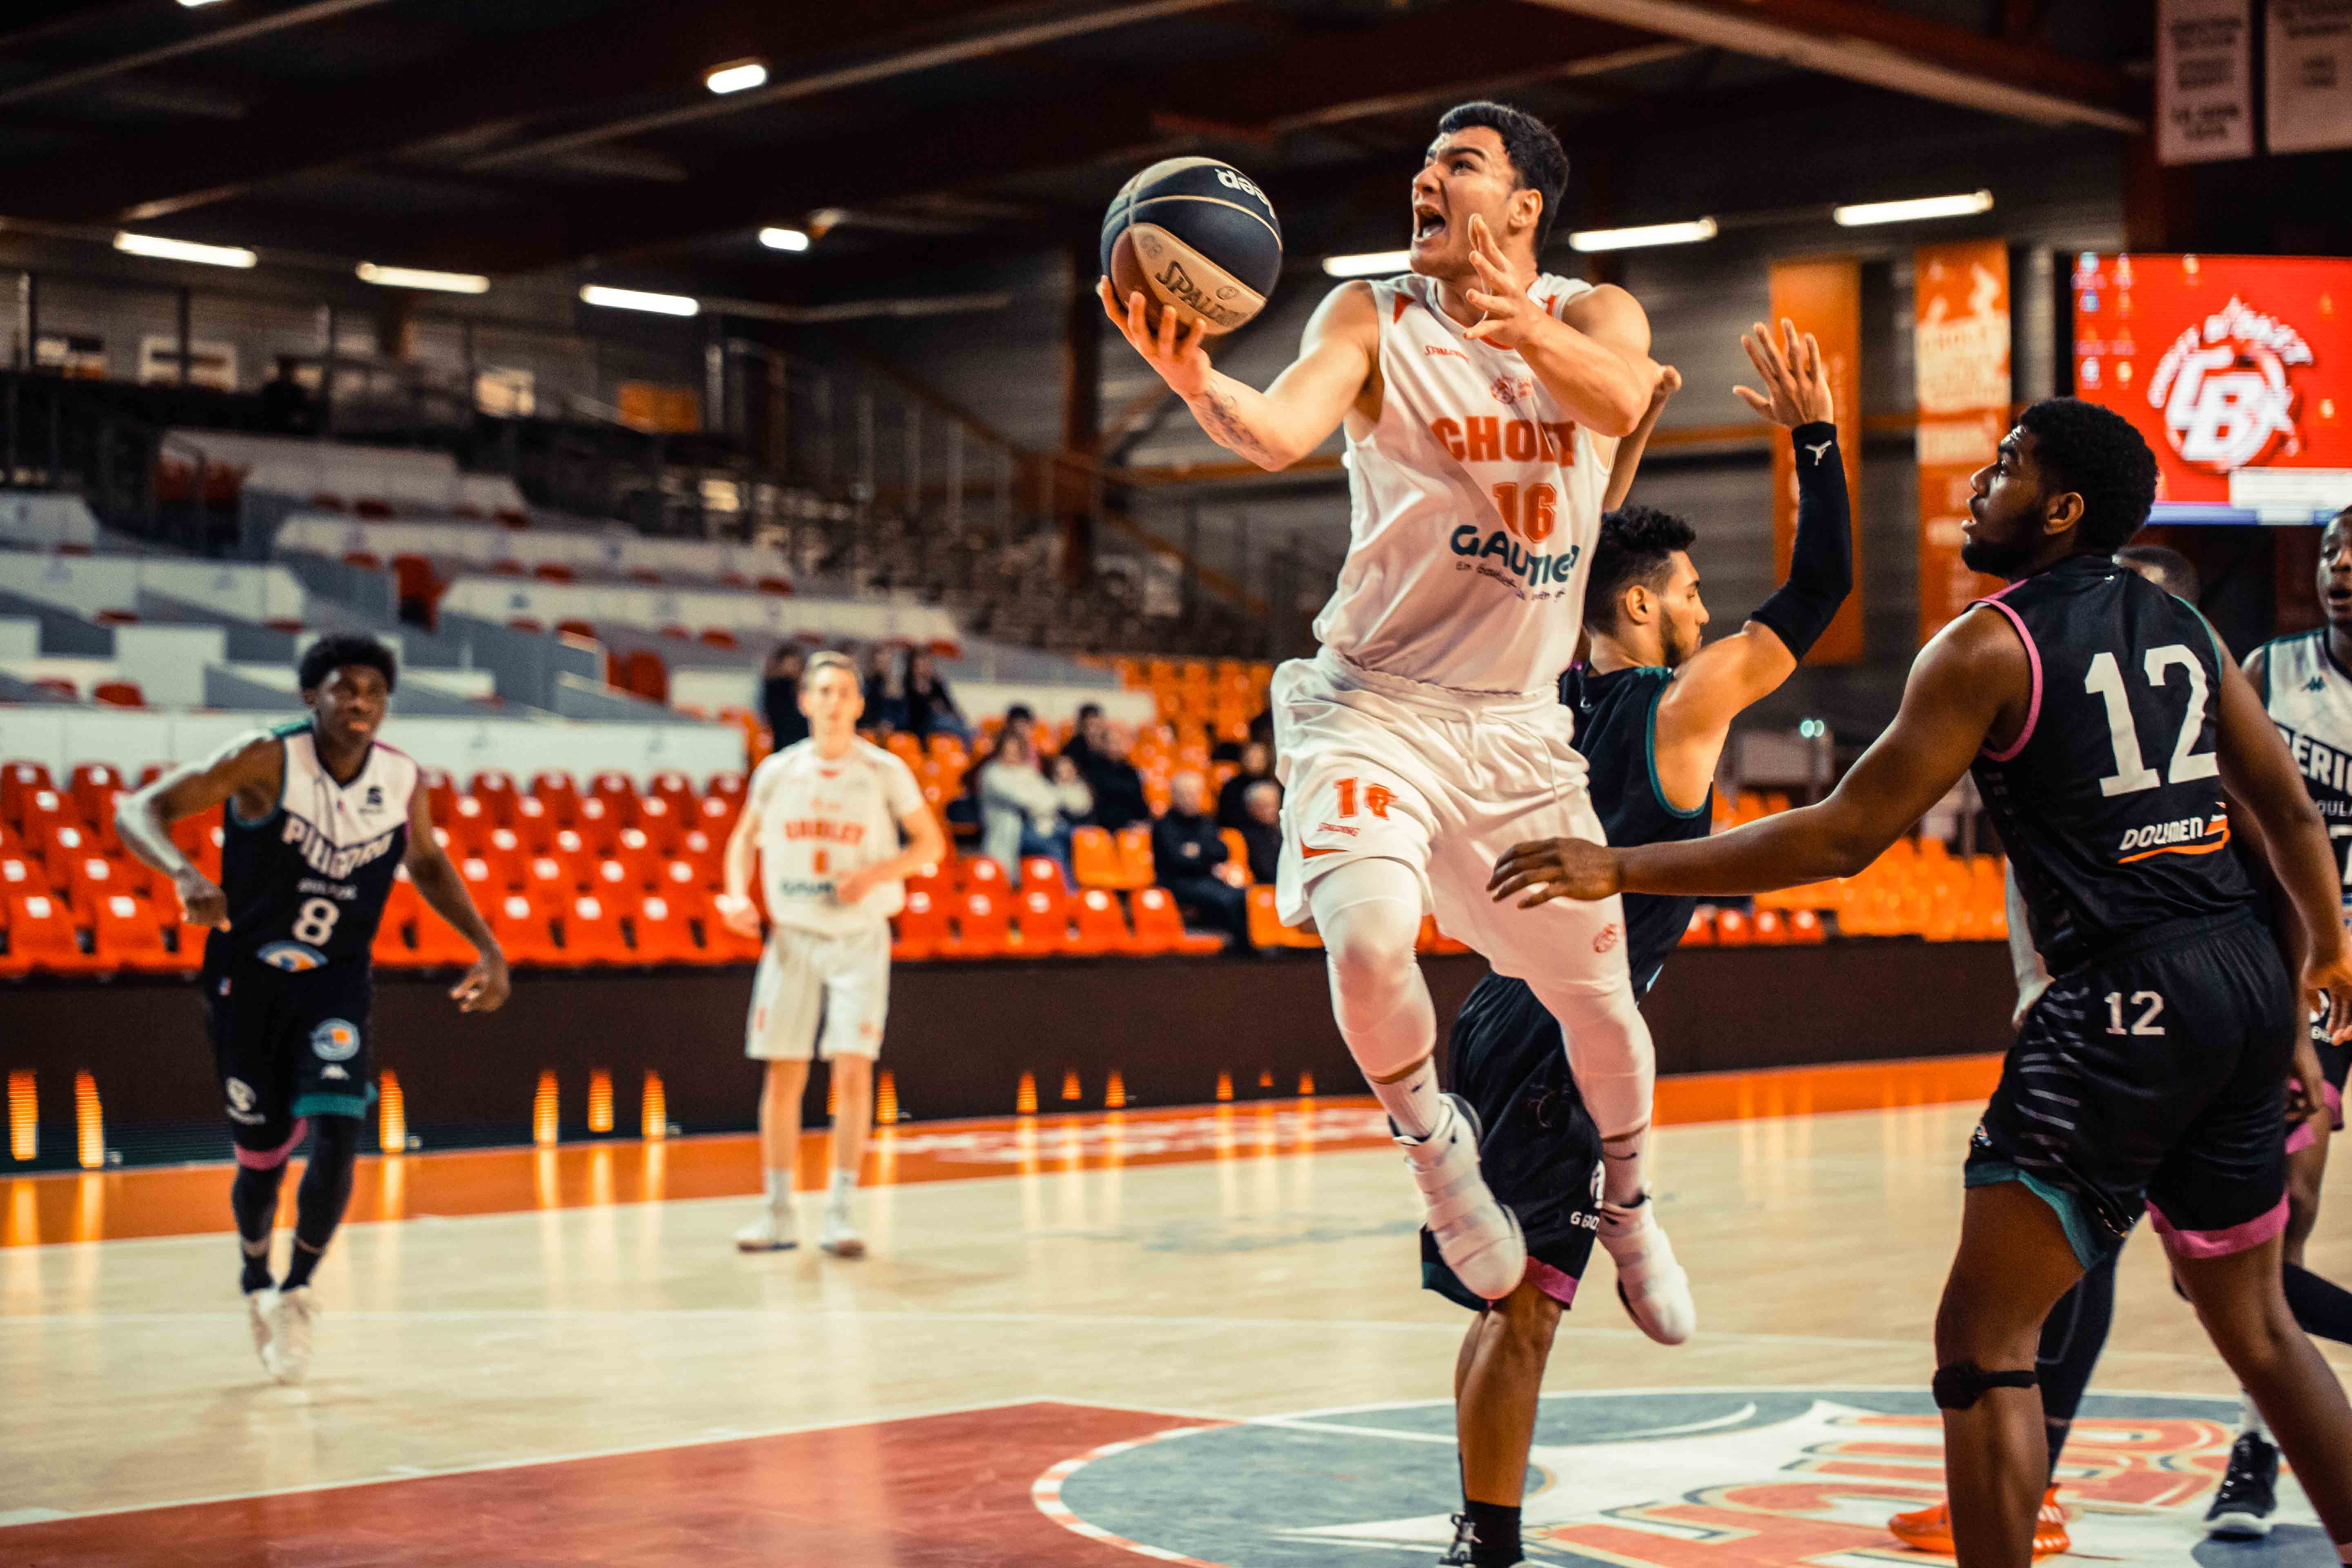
x=2321 y=1306
x=253 y=1199
x=1497 y=1541
x=2073 y=1335
x=326 y=1188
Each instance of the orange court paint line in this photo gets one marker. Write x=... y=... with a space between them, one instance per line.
x=188 y=1200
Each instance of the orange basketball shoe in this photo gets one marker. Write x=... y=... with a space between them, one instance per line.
x=1930 y=1529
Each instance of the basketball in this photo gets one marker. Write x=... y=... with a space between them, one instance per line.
x=1196 y=236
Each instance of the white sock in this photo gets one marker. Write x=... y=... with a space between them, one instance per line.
x=2251 y=1420
x=780 y=1190
x=1413 y=1103
x=843 y=1184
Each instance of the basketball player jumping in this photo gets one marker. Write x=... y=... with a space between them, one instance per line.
x=1483 y=399
x=825 y=815
x=2103 y=724
x=319 y=813
x=1653 y=708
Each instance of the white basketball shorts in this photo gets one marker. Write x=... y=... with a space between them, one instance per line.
x=812 y=988
x=1445 y=782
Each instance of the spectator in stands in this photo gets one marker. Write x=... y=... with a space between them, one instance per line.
x=1087 y=737
x=1258 y=767
x=930 y=709
x=1261 y=828
x=1117 y=787
x=780 y=695
x=285 y=403
x=1189 y=855
x=1022 y=811
x=885 y=690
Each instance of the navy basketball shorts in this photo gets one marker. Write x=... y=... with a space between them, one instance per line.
x=1539 y=1146
x=287 y=1045
x=2153 y=1076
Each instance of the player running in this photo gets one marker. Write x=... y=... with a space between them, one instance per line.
x=825 y=815
x=2103 y=724
x=1652 y=710
x=1482 y=399
x=319 y=816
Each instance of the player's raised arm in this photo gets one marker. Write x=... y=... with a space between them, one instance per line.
x=1972 y=682
x=1594 y=357
x=249 y=771
x=485 y=985
x=1628 y=459
x=1337 y=354
x=1725 y=676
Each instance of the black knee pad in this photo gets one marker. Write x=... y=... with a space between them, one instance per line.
x=1959 y=1385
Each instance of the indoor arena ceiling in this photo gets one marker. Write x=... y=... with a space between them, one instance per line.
x=534 y=133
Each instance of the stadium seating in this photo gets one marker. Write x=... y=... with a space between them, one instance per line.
x=982 y=927
x=1098 y=925
x=920 y=927
x=1041 y=920
x=663 y=931
x=1159 y=926
x=593 y=931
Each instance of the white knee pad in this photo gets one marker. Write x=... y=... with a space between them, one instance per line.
x=1369 y=914
x=1610 y=1051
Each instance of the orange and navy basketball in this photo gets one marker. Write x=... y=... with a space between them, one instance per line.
x=1195 y=235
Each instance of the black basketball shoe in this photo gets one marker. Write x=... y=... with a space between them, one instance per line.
x=1462 y=1553
x=2248 y=1495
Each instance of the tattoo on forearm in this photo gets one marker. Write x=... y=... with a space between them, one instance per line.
x=1214 y=410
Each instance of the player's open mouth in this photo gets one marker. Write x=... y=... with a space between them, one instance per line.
x=1427 y=225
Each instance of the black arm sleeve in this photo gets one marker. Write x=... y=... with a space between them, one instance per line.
x=1820 y=564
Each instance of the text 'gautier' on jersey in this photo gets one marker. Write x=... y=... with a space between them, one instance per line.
x=821 y=818
x=1474 y=506
x=2109 y=799
x=307 y=884
x=2309 y=697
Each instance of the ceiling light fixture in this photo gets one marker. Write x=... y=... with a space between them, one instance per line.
x=1370 y=264
x=419 y=278
x=785 y=239
x=1636 y=238
x=192 y=5
x=639 y=299
x=736 y=75
x=1865 y=212
x=161 y=249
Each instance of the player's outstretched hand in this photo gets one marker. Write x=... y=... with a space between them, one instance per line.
x=202 y=903
x=1182 y=361
x=1512 y=318
x=1552 y=869
x=484 y=987
x=740 y=915
x=1670 y=381
x=1796 y=381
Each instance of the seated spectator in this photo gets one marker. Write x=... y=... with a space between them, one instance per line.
x=1117 y=787
x=780 y=695
x=1189 y=855
x=930 y=710
x=885 y=691
x=1086 y=738
x=1023 y=812
x=1258 y=767
x=1261 y=828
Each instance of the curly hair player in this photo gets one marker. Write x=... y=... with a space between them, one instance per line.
x=2103 y=723
x=1482 y=400
x=1653 y=708
x=319 y=816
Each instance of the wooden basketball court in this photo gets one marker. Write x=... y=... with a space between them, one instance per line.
x=1192 y=1335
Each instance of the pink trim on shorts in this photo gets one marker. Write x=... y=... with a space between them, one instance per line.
x=271 y=1159
x=2303 y=1136
x=1559 y=1286
x=2219 y=1243
x=2033 y=658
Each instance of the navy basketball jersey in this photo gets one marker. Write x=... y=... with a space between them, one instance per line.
x=2309 y=697
x=1617 y=730
x=307 y=884
x=2109 y=799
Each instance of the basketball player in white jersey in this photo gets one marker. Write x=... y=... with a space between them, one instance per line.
x=1483 y=401
x=825 y=816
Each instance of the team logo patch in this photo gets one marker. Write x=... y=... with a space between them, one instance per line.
x=374 y=797
x=335 y=1040
x=241 y=1099
x=2224 y=388
x=1674 y=1478
x=293 y=957
x=1608 y=937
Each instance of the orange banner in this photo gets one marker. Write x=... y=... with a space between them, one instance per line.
x=1823 y=297
x=1961 y=351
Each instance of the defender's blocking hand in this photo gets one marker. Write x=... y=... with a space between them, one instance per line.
x=1556 y=868
x=1796 y=381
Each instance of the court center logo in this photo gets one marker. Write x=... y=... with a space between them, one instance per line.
x=1675 y=1479
x=335 y=1040
x=2224 y=388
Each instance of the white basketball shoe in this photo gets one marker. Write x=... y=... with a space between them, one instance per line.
x=292 y=1328
x=1478 y=1237
x=1652 y=1284
x=840 y=1235
x=260 y=1312
x=775 y=1230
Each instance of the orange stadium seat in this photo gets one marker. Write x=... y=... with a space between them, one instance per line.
x=979 y=874
x=1044 y=873
x=440 y=795
x=61 y=843
x=675 y=787
x=659 y=820
x=982 y=927
x=663 y=933
x=1135 y=868
x=17 y=781
x=593 y=934
x=1159 y=926
x=93 y=788
x=1236 y=849
x=89 y=879
x=562 y=795
x=727 y=785
x=534 y=825
x=638 y=855
x=502 y=848
x=619 y=793
x=523 y=931
x=1099 y=926
x=438 y=943
x=391 y=948
x=920 y=927
x=469 y=825
x=1700 y=932
x=21 y=875
x=1095 y=858
x=714 y=814
x=1734 y=928
x=494 y=788
x=549 y=880
x=598 y=825
x=704 y=853
x=482 y=884
x=126 y=934
x=1041 y=923
x=939 y=881
x=1265 y=927
x=41 y=936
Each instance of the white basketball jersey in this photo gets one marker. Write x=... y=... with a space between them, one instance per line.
x=821 y=818
x=1475 y=504
x=2310 y=701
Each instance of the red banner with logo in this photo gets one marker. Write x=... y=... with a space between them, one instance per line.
x=2238 y=371
x=1823 y=297
x=1960 y=340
